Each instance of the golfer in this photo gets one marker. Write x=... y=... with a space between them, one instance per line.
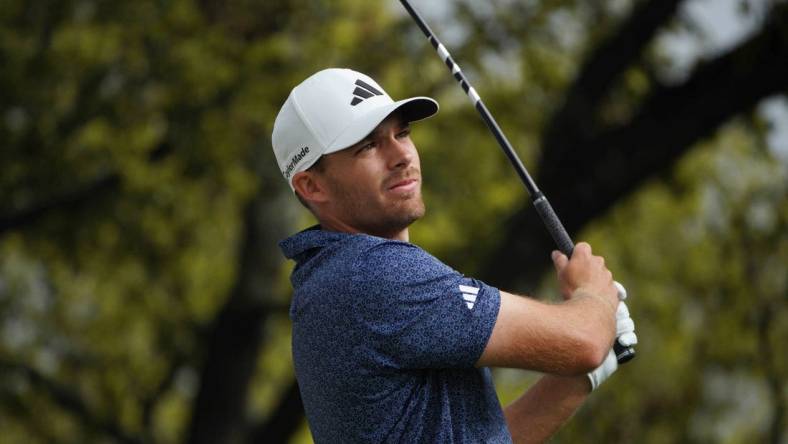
x=390 y=345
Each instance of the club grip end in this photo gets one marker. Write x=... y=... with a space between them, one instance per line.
x=623 y=353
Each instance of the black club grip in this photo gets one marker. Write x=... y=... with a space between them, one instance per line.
x=566 y=246
x=553 y=225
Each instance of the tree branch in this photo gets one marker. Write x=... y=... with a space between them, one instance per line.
x=235 y=338
x=74 y=199
x=218 y=414
x=150 y=402
x=288 y=416
x=70 y=200
x=603 y=169
x=575 y=119
x=71 y=402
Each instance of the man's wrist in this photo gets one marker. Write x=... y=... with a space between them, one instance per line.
x=581 y=292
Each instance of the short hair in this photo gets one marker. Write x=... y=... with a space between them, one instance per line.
x=319 y=167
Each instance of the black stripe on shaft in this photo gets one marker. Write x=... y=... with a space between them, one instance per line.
x=530 y=185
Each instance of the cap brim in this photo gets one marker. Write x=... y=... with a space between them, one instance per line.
x=413 y=109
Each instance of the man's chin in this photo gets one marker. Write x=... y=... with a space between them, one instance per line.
x=414 y=211
x=404 y=218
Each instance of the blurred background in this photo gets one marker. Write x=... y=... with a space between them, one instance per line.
x=143 y=297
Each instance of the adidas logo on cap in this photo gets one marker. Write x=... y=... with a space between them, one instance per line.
x=363 y=91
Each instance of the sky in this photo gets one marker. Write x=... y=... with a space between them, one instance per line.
x=722 y=26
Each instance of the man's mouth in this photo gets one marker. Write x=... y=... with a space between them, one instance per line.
x=404 y=186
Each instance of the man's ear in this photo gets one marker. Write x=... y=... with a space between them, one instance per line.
x=309 y=187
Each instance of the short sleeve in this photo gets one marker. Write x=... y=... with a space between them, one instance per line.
x=417 y=312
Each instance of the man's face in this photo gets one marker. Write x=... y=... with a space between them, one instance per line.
x=374 y=186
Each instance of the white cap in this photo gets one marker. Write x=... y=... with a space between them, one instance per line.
x=333 y=110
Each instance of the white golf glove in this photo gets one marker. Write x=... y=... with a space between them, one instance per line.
x=625 y=334
x=608 y=367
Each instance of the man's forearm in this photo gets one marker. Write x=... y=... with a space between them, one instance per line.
x=544 y=408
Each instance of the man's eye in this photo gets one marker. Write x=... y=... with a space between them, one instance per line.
x=404 y=133
x=365 y=147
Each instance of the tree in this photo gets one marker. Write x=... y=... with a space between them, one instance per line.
x=607 y=160
x=142 y=295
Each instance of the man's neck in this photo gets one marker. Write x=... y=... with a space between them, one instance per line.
x=342 y=227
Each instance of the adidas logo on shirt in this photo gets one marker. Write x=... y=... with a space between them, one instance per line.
x=469 y=295
x=363 y=91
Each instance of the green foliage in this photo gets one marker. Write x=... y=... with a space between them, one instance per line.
x=703 y=257
x=141 y=130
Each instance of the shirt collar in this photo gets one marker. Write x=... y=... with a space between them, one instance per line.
x=312 y=237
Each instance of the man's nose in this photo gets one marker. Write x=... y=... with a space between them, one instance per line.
x=402 y=153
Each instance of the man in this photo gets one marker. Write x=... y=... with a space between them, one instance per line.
x=389 y=344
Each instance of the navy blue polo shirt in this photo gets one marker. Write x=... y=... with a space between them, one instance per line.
x=385 y=338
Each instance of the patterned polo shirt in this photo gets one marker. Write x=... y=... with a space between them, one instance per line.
x=385 y=338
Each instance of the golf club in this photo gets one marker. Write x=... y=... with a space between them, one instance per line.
x=543 y=207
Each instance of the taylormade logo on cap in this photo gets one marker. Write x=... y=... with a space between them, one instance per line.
x=332 y=110
x=294 y=162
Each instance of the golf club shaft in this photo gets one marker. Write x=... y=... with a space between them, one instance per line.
x=543 y=207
